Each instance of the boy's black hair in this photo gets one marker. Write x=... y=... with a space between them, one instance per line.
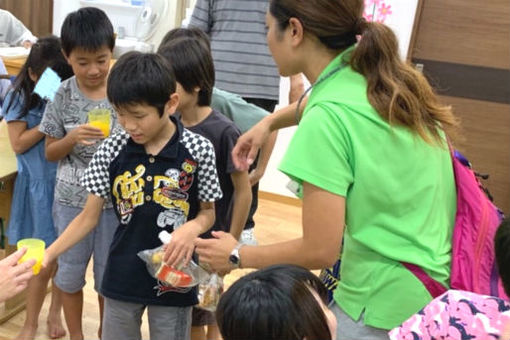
x=274 y=303
x=191 y=32
x=46 y=52
x=141 y=78
x=502 y=251
x=88 y=28
x=193 y=66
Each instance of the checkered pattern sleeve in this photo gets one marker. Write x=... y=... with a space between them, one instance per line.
x=96 y=178
x=201 y=148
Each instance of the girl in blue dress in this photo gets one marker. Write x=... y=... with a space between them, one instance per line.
x=35 y=182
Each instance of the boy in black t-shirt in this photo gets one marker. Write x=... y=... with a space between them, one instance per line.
x=160 y=177
x=192 y=64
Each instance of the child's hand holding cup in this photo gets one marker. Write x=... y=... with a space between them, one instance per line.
x=35 y=250
x=100 y=118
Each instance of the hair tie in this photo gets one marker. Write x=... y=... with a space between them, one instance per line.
x=360 y=25
x=339 y=41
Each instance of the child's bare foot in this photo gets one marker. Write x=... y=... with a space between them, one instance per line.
x=55 y=327
x=27 y=333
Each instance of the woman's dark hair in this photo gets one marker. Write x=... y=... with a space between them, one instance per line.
x=274 y=303
x=141 y=78
x=502 y=250
x=46 y=52
x=88 y=28
x=399 y=93
x=181 y=32
x=193 y=66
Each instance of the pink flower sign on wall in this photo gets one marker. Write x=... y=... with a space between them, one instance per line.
x=399 y=15
x=377 y=10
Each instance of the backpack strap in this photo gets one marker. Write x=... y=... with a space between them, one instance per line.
x=433 y=287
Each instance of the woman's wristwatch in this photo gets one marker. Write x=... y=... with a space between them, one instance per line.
x=235 y=258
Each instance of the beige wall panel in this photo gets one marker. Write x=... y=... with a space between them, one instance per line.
x=471 y=32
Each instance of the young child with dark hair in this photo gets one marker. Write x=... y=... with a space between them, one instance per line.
x=244 y=115
x=277 y=302
x=192 y=64
x=87 y=42
x=33 y=190
x=161 y=177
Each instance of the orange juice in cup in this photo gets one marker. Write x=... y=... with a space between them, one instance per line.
x=100 y=118
x=35 y=250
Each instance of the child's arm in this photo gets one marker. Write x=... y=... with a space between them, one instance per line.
x=60 y=142
x=241 y=202
x=79 y=227
x=22 y=138
x=58 y=148
x=183 y=239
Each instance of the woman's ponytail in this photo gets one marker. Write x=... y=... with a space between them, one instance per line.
x=398 y=92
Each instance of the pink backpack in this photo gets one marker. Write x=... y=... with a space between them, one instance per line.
x=473 y=266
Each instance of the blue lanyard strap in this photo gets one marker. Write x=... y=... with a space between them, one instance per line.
x=320 y=80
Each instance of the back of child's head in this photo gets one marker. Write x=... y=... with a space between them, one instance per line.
x=502 y=249
x=180 y=32
x=46 y=52
x=193 y=66
x=87 y=28
x=272 y=304
x=141 y=78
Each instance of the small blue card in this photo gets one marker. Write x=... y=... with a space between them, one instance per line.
x=48 y=84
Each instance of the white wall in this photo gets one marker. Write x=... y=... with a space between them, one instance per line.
x=274 y=181
x=60 y=9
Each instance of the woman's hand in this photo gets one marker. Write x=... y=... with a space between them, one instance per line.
x=86 y=135
x=14 y=276
x=247 y=147
x=215 y=252
x=180 y=249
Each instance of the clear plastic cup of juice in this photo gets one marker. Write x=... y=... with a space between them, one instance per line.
x=100 y=118
x=35 y=250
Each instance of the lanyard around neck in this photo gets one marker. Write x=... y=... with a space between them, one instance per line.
x=320 y=80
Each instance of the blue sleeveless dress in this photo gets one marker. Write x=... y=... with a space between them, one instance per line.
x=31 y=210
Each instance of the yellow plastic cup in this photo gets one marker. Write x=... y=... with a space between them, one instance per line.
x=100 y=118
x=35 y=250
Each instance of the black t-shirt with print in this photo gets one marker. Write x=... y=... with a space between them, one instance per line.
x=150 y=193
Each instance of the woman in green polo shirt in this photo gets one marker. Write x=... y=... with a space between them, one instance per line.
x=371 y=155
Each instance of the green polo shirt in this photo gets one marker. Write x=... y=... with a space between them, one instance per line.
x=399 y=191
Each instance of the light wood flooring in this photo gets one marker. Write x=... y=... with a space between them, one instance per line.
x=275 y=222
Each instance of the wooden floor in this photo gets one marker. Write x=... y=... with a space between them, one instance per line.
x=274 y=222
